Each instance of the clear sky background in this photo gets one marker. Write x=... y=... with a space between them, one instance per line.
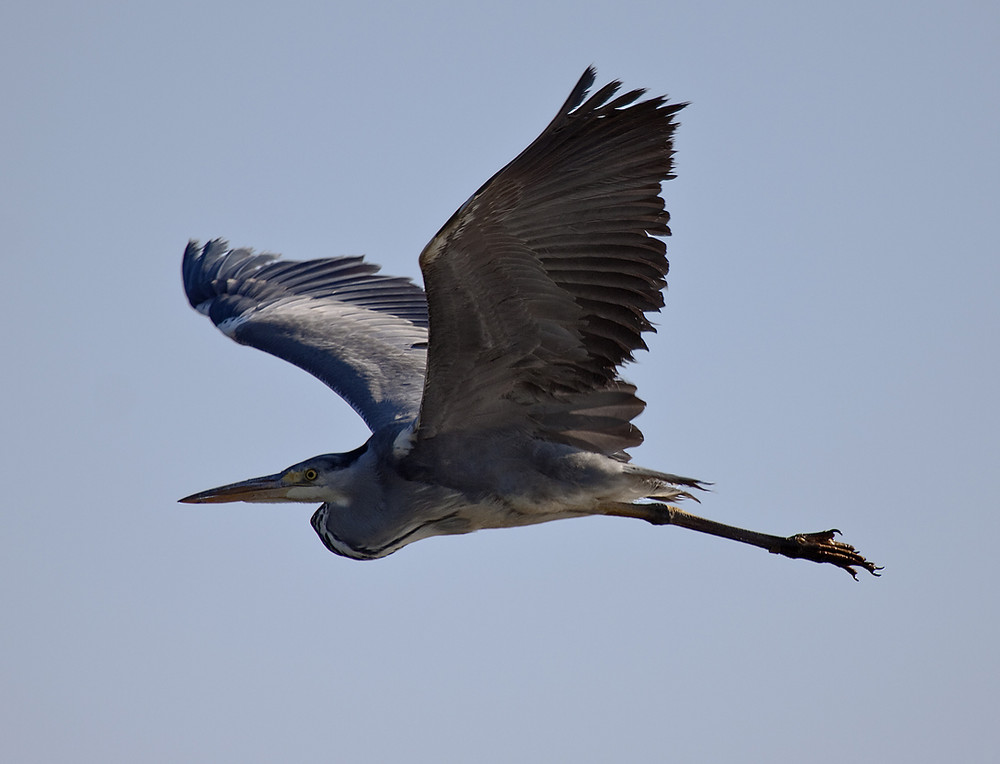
x=828 y=357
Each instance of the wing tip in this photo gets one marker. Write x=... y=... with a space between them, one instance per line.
x=202 y=267
x=580 y=90
x=196 y=266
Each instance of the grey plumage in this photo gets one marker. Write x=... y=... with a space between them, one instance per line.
x=495 y=399
x=375 y=359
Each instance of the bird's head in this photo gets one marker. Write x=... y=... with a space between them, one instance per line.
x=322 y=478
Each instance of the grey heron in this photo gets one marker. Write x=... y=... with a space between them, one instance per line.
x=494 y=398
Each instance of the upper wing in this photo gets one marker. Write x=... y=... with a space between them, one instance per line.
x=362 y=334
x=538 y=286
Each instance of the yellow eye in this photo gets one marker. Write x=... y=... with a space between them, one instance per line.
x=310 y=474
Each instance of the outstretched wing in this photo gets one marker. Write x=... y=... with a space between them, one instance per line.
x=363 y=334
x=538 y=287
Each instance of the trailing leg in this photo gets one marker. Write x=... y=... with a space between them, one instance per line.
x=818 y=547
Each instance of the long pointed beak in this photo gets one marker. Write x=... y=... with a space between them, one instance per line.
x=269 y=488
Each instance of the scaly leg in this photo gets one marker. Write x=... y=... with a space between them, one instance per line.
x=818 y=547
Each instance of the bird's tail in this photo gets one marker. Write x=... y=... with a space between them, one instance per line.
x=664 y=486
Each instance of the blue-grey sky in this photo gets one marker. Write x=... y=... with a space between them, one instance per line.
x=828 y=356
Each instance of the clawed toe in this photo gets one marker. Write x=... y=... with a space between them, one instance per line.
x=822 y=547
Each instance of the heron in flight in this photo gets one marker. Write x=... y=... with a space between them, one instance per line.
x=493 y=397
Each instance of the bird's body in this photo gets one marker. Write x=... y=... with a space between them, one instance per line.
x=494 y=399
x=516 y=483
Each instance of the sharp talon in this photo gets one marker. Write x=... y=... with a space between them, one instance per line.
x=821 y=547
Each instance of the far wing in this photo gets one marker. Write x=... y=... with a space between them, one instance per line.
x=363 y=334
x=538 y=287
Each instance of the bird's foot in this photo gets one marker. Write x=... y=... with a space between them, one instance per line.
x=821 y=547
